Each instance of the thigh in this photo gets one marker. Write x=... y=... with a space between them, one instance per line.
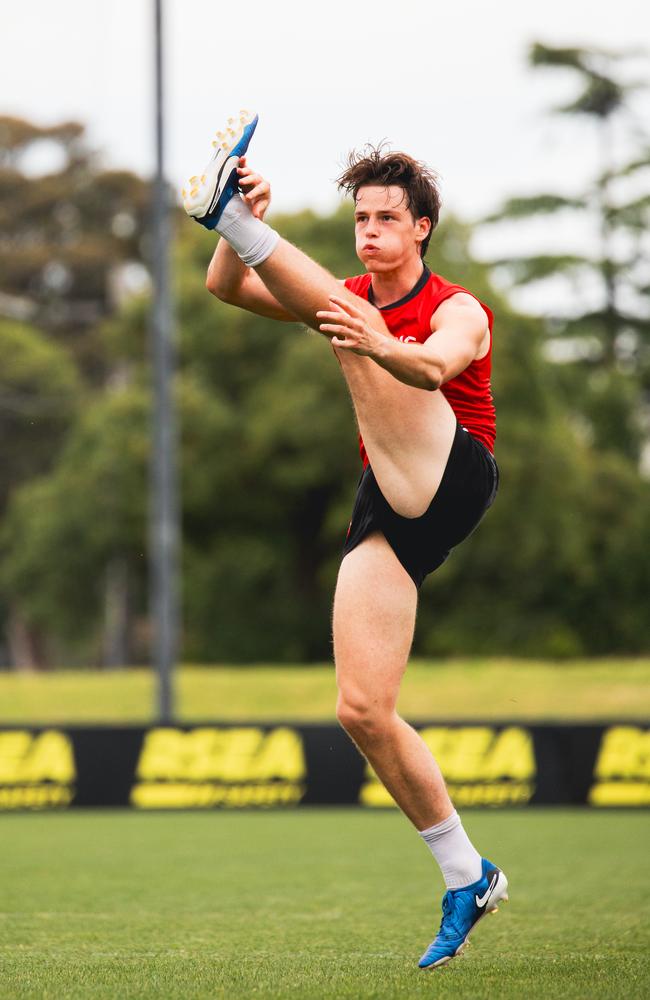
x=407 y=433
x=373 y=623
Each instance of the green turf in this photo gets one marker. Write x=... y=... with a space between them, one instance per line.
x=315 y=904
x=453 y=689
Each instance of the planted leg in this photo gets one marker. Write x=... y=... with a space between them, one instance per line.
x=373 y=622
x=374 y=618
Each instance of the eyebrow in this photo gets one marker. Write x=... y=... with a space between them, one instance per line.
x=380 y=211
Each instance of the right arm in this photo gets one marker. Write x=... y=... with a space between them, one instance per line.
x=228 y=278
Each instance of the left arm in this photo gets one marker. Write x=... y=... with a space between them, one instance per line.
x=458 y=329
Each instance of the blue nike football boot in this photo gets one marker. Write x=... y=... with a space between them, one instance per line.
x=461 y=910
x=206 y=196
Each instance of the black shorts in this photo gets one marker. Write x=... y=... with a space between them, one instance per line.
x=468 y=487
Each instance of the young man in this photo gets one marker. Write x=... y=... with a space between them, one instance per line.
x=415 y=351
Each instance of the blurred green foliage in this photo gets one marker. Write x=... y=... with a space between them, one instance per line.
x=269 y=465
x=604 y=322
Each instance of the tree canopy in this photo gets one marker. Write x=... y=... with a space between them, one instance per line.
x=269 y=466
x=603 y=330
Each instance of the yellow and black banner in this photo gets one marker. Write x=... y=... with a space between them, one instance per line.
x=282 y=765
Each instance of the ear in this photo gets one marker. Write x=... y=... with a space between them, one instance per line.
x=422 y=228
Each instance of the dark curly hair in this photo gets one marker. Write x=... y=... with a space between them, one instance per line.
x=375 y=165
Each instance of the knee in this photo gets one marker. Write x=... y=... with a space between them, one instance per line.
x=363 y=718
x=215 y=288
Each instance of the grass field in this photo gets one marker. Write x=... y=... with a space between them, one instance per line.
x=315 y=904
x=453 y=689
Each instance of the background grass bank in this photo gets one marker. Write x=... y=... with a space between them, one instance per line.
x=609 y=689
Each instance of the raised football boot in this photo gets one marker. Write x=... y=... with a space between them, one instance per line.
x=206 y=195
x=461 y=910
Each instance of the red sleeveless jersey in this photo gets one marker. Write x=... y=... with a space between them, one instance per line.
x=409 y=320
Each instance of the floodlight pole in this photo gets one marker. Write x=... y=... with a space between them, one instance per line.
x=164 y=532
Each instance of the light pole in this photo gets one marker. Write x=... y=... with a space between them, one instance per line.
x=163 y=532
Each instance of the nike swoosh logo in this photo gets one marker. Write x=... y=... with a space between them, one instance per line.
x=482 y=900
x=231 y=163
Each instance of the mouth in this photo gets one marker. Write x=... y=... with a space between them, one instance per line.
x=370 y=248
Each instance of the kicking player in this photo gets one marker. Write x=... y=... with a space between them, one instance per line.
x=415 y=351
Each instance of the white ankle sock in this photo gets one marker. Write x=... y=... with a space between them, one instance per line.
x=460 y=862
x=249 y=237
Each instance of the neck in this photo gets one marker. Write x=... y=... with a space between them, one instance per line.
x=390 y=286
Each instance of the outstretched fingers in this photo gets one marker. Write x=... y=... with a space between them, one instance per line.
x=256 y=191
x=345 y=329
x=340 y=317
x=350 y=328
x=252 y=181
x=346 y=306
x=339 y=322
x=345 y=312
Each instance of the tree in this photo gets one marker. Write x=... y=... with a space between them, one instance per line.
x=269 y=466
x=40 y=392
x=72 y=247
x=72 y=238
x=608 y=343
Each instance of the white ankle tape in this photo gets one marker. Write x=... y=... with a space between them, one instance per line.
x=460 y=862
x=253 y=240
x=262 y=248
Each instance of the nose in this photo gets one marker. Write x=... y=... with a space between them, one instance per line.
x=372 y=228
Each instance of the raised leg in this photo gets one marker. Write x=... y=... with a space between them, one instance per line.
x=407 y=432
x=373 y=623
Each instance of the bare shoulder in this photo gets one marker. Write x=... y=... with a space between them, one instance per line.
x=463 y=309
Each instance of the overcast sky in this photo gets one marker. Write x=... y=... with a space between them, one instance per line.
x=446 y=82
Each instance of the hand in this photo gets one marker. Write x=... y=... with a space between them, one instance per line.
x=350 y=328
x=256 y=192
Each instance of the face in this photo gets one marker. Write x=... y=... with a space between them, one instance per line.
x=387 y=235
